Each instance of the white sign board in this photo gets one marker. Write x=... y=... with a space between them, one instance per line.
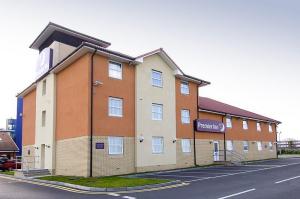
x=44 y=62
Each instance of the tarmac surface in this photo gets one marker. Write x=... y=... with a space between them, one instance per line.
x=262 y=179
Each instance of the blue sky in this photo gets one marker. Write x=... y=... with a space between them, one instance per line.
x=249 y=50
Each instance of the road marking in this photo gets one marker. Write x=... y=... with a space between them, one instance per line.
x=128 y=197
x=236 y=194
x=250 y=171
x=203 y=172
x=287 y=179
x=261 y=165
x=113 y=194
x=179 y=176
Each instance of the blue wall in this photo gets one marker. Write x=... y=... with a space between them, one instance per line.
x=18 y=132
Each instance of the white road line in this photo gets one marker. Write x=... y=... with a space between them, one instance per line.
x=205 y=172
x=128 y=197
x=287 y=179
x=164 y=175
x=236 y=194
x=113 y=194
x=263 y=169
x=261 y=165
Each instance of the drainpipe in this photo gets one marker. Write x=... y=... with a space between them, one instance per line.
x=195 y=156
x=225 y=158
x=91 y=109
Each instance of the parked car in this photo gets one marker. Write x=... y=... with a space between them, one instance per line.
x=6 y=164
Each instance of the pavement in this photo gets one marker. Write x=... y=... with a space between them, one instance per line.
x=272 y=179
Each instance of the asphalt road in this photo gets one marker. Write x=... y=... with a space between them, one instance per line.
x=266 y=179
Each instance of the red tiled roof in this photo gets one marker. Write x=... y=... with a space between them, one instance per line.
x=220 y=107
x=7 y=143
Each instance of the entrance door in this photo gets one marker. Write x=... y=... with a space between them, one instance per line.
x=216 y=151
x=42 y=156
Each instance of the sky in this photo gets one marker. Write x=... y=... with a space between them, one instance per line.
x=248 y=50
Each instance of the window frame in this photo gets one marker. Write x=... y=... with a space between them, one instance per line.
x=246 y=122
x=270 y=128
x=109 y=107
x=259 y=145
x=247 y=142
x=270 y=145
x=152 y=78
x=230 y=119
x=110 y=75
x=188 y=117
x=184 y=147
x=182 y=89
x=112 y=152
x=44 y=113
x=153 y=113
x=229 y=141
x=153 y=146
x=258 y=126
x=44 y=87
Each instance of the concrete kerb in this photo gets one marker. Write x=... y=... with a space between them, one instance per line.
x=95 y=189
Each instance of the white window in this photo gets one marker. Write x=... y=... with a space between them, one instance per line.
x=245 y=124
x=184 y=88
x=43 y=118
x=185 y=116
x=259 y=146
x=258 y=127
x=228 y=122
x=115 y=70
x=186 y=145
x=115 y=145
x=44 y=87
x=115 y=106
x=270 y=146
x=156 y=77
x=270 y=128
x=229 y=145
x=245 y=145
x=157 y=111
x=157 y=145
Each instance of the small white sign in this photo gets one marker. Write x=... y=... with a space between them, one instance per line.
x=44 y=62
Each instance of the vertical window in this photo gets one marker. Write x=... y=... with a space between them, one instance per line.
x=270 y=128
x=270 y=146
x=258 y=127
x=228 y=122
x=157 y=111
x=115 y=106
x=245 y=145
x=229 y=145
x=186 y=145
x=115 y=145
x=43 y=118
x=157 y=145
x=184 y=88
x=245 y=124
x=259 y=146
x=185 y=116
x=44 y=87
x=156 y=77
x=115 y=70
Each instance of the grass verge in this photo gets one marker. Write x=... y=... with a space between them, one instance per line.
x=105 y=182
x=11 y=173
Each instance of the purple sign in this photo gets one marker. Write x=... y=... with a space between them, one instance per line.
x=209 y=126
x=100 y=145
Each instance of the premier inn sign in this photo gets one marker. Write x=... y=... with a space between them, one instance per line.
x=209 y=126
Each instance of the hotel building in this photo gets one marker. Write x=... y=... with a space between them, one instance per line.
x=92 y=111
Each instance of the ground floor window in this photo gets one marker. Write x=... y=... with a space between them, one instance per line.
x=259 y=146
x=270 y=146
x=229 y=145
x=115 y=145
x=186 y=145
x=157 y=145
x=245 y=145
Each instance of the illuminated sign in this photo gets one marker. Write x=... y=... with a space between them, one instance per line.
x=209 y=126
x=44 y=62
